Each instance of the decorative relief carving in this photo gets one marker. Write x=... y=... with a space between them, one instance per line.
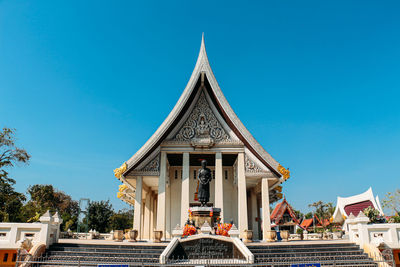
x=152 y=166
x=202 y=127
x=251 y=166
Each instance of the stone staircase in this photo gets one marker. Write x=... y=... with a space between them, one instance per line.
x=63 y=254
x=327 y=254
x=277 y=254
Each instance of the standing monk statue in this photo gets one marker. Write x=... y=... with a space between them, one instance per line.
x=204 y=183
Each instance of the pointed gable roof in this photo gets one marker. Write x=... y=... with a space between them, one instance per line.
x=203 y=66
x=280 y=210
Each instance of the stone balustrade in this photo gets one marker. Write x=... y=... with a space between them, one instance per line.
x=44 y=232
x=361 y=232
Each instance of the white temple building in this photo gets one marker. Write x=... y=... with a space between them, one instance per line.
x=355 y=204
x=159 y=180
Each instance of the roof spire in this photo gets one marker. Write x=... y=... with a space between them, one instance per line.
x=202 y=60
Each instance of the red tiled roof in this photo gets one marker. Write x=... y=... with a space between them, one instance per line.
x=357 y=207
x=280 y=210
x=306 y=223
x=277 y=210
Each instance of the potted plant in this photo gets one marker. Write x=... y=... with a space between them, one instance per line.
x=248 y=236
x=271 y=235
x=118 y=235
x=300 y=232
x=131 y=235
x=285 y=235
x=157 y=236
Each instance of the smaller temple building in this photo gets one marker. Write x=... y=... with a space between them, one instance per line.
x=355 y=204
x=285 y=217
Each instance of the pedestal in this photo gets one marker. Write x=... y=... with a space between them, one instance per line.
x=200 y=215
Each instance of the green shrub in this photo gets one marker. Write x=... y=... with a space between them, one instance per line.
x=372 y=214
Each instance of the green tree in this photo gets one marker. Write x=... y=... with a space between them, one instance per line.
x=308 y=215
x=392 y=202
x=46 y=197
x=11 y=202
x=299 y=214
x=99 y=216
x=323 y=211
x=372 y=214
x=122 y=220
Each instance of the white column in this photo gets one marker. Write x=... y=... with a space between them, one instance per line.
x=137 y=216
x=242 y=196
x=219 y=184
x=168 y=229
x=161 y=204
x=266 y=217
x=142 y=213
x=151 y=215
x=185 y=189
x=146 y=223
x=254 y=223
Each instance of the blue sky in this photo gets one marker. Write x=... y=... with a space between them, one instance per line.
x=86 y=83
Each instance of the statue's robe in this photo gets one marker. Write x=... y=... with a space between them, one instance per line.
x=204 y=185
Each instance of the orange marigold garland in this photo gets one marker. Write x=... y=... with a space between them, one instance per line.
x=189 y=230
x=223 y=229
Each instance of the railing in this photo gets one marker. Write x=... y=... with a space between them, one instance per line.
x=387 y=260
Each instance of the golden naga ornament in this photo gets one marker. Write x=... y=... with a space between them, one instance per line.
x=122 y=187
x=285 y=172
x=119 y=195
x=119 y=171
x=279 y=188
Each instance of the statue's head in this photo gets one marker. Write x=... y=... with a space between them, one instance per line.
x=204 y=163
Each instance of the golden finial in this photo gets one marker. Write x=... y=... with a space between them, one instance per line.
x=122 y=187
x=285 y=172
x=119 y=171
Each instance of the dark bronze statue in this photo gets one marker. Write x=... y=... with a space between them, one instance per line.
x=204 y=178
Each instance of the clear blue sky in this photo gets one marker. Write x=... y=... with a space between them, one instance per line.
x=86 y=83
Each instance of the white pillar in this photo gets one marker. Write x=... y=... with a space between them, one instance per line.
x=137 y=216
x=242 y=195
x=185 y=189
x=219 y=184
x=254 y=223
x=168 y=230
x=151 y=216
x=161 y=204
x=266 y=217
x=146 y=223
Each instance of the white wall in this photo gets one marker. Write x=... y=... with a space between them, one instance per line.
x=361 y=232
x=46 y=232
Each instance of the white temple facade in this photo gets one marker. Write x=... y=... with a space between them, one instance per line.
x=160 y=181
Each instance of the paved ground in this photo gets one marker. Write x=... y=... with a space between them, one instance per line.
x=150 y=243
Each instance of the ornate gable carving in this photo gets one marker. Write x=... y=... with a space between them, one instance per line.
x=151 y=169
x=202 y=127
x=251 y=166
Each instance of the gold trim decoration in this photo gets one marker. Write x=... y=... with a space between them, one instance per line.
x=279 y=188
x=119 y=171
x=285 y=172
x=119 y=195
x=279 y=195
x=122 y=187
